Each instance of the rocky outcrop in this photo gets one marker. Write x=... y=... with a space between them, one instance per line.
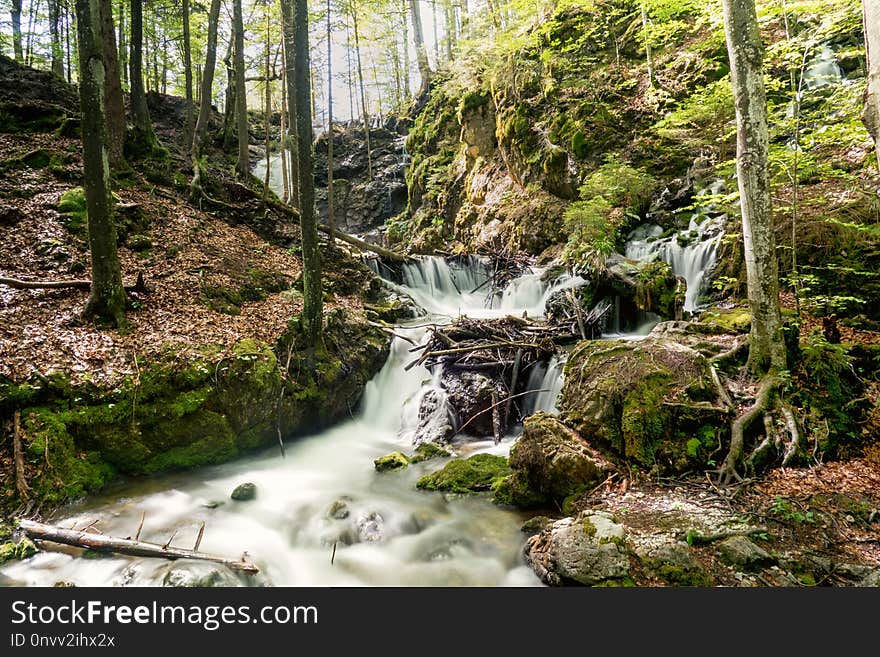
x=651 y=403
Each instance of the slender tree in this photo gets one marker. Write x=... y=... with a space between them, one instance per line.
x=312 y=313
x=404 y=27
x=115 y=106
x=421 y=52
x=268 y=118
x=285 y=159
x=142 y=136
x=331 y=219
x=187 y=73
x=360 y=71
x=242 y=166
x=289 y=52
x=16 y=30
x=123 y=47
x=107 y=297
x=766 y=342
x=201 y=129
x=871 y=113
x=55 y=36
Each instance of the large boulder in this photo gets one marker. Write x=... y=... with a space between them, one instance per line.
x=587 y=550
x=550 y=462
x=651 y=403
x=479 y=473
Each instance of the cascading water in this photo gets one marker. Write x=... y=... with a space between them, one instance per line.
x=823 y=69
x=326 y=490
x=690 y=253
x=276 y=177
x=546 y=381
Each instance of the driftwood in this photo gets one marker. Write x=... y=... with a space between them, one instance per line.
x=133 y=548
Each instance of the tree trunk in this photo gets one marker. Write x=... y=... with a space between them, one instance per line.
x=436 y=37
x=421 y=52
x=142 y=135
x=331 y=219
x=404 y=25
x=871 y=113
x=67 y=44
x=364 y=114
x=229 y=100
x=285 y=168
x=242 y=166
x=351 y=112
x=32 y=12
x=55 y=34
x=288 y=28
x=187 y=72
x=312 y=314
x=464 y=18
x=268 y=104
x=123 y=49
x=648 y=57
x=115 y=107
x=16 y=30
x=450 y=30
x=767 y=346
x=201 y=129
x=107 y=297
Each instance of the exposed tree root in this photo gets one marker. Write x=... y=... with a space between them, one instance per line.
x=727 y=472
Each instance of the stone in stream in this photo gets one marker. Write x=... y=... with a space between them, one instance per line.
x=244 y=492
x=392 y=461
x=11 y=551
x=587 y=549
x=371 y=527
x=193 y=574
x=339 y=509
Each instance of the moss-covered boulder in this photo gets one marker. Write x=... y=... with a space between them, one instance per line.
x=11 y=551
x=650 y=403
x=244 y=492
x=674 y=563
x=479 y=473
x=392 y=461
x=428 y=451
x=549 y=463
x=587 y=550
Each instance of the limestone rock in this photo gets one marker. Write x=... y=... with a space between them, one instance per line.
x=740 y=551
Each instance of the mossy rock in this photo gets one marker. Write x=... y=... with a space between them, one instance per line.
x=11 y=551
x=244 y=492
x=642 y=401
x=428 y=451
x=476 y=474
x=392 y=461
x=724 y=320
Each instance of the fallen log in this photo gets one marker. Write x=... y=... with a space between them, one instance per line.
x=81 y=284
x=126 y=546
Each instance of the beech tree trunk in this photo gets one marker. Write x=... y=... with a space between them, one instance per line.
x=242 y=167
x=187 y=72
x=312 y=317
x=360 y=71
x=331 y=219
x=107 y=297
x=767 y=346
x=421 y=52
x=140 y=113
x=201 y=129
x=55 y=35
x=115 y=106
x=289 y=35
x=123 y=48
x=16 y=30
x=871 y=113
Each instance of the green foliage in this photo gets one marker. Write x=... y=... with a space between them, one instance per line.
x=72 y=207
x=784 y=509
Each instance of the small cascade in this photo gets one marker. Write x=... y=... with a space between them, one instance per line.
x=823 y=69
x=546 y=381
x=276 y=177
x=692 y=252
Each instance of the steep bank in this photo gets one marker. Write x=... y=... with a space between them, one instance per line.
x=207 y=368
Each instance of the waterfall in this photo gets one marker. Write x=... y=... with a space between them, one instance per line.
x=823 y=69
x=546 y=381
x=690 y=253
x=276 y=178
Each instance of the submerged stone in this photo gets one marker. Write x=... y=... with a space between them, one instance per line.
x=392 y=461
x=244 y=492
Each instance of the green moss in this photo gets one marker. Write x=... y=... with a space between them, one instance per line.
x=392 y=461
x=30 y=116
x=514 y=491
x=24 y=549
x=725 y=320
x=643 y=420
x=72 y=207
x=428 y=451
x=475 y=474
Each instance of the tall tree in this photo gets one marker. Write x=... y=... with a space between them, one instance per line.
x=312 y=313
x=107 y=297
x=201 y=129
x=142 y=135
x=331 y=219
x=766 y=341
x=55 y=36
x=115 y=106
x=187 y=72
x=405 y=57
x=16 y=30
x=289 y=52
x=871 y=113
x=421 y=52
x=242 y=166
x=123 y=48
x=360 y=71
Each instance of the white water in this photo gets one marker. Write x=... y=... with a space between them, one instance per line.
x=276 y=176
x=693 y=260
x=394 y=535
x=547 y=380
x=823 y=69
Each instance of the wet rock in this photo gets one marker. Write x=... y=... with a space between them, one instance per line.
x=481 y=472
x=23 y=549
x=339 y=510
x=536 y=525
x=588 y=549
x=553 y=461
x=370 y=528
x=392 y=461
x=213 y=504
x=428 y=451
x=740 y=551
x=63 y=584
x=198 y=574
x=244 y=492
x=470 y=393
x=674 y=563
x=434 y=425
x=651 y=402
